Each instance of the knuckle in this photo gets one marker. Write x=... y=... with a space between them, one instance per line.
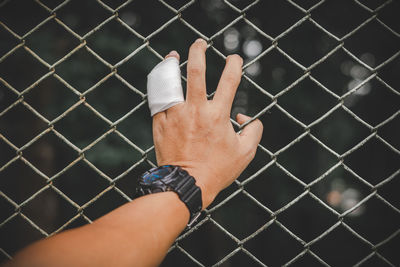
x=216 y=116
x=157 y=119
x=253 y=152
x=233 y=77
x=194 y=70
x=194 y=112
x=249 y=152
x=176 y=108
x=258 y=122
x=158 y=127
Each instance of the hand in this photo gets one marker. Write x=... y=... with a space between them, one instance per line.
x=198 y=135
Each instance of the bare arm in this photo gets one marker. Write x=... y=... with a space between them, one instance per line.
x=196 y=135
x=138 y=233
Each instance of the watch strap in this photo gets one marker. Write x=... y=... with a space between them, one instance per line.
x=174 y=178
x=188 y=192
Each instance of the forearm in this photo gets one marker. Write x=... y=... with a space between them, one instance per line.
x=198 y=136
x=138 y=233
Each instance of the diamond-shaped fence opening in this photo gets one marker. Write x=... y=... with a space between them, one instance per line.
x=322 y=76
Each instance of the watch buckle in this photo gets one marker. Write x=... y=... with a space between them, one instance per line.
x=193 y=220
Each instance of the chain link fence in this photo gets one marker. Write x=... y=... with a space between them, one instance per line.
x=293 y=182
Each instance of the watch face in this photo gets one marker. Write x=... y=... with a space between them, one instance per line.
x=156 y=174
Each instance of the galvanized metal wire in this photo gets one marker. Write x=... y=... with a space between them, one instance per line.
x=113 y=15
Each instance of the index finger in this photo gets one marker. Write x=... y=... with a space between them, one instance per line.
x=159 y=116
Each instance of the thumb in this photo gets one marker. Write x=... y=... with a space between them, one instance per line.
x=252 y=132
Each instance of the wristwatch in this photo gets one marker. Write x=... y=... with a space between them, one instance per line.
x=173 y=178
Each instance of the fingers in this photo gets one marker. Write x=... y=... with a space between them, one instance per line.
x=228 y=83
x=196 y=72
x=160 y=116
x=174 y=54
x=252 y=132
x=164 y=86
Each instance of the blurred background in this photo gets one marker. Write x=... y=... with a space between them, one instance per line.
x=322 y=76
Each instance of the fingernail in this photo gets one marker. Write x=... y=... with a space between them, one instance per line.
x=200 y=40
x=173 y=53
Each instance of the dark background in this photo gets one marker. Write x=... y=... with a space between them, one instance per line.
x=306 y=160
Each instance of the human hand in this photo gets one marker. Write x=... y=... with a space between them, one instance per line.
x=197 y=134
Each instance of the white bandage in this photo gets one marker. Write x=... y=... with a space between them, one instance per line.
x=164 y=87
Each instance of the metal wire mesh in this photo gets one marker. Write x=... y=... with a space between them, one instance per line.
x=113 y=126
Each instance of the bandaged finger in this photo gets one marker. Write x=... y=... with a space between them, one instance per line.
x=164 y=87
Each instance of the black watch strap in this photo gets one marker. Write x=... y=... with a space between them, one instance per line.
x=174 y=178
x=188 y=192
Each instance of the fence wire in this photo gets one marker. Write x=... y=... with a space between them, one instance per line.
x=113 y=15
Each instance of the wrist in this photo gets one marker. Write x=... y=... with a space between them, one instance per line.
x=208 y=193
x=173 y=178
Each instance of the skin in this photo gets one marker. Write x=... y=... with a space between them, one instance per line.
x=140 y=233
